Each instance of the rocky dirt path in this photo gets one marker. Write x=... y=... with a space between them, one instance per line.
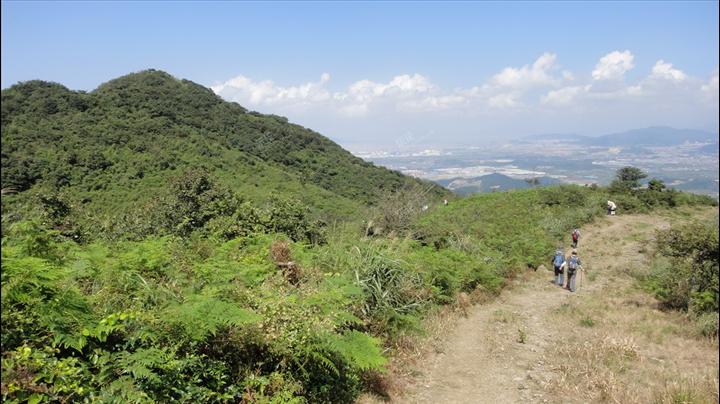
x=513 y=349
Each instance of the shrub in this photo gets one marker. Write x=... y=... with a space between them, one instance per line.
x=707 y=324
x=687 y=275
x=397 y=211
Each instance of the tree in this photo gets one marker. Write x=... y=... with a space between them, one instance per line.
x=627 y=178
x=656 y=185
x=193 y=200
x=631 y=175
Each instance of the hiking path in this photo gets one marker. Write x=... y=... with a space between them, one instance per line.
x=608 y=342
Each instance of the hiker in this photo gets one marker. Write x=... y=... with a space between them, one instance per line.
x=575 y=237
x=558 y=262
x=611 y=208
x=573 y=265
x=445 y=202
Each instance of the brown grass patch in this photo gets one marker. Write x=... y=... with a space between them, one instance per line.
x=589 y=370
x=689 y=390
x=282 y=257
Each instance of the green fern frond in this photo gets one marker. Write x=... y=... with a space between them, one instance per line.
x=359 y=350
x=140 y=363
x=203 y=315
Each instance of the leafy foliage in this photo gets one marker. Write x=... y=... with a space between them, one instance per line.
x=687 y=276
x=115 y=148
x=627 y=178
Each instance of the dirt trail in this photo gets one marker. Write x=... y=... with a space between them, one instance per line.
x=510 y=350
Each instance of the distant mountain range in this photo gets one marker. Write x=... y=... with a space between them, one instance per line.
x=652 y=136
x=712 y=148
x=491 y=182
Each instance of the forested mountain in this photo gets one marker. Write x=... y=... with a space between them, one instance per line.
x=121 y=142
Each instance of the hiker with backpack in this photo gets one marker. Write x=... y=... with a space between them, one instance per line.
x=558 y=262
x=575 y=237
x=611 y=208
x=573 y=266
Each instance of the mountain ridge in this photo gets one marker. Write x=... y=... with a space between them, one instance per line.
x=649 y=136
x=129 y=135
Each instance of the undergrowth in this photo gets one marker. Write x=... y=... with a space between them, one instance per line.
x=275 y=309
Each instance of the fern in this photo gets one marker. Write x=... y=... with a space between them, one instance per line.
x=359 y=350
x=28 y=278
x=140 y=364
x=202 y=315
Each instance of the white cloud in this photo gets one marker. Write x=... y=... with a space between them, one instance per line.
x=406 y=92
x=434 y=103
x=613 y=65
x=265 y=92
x=403 y=86
x=565 y=95
x=535 y=92
x=665 y=71
x=506 y=100
x=529 y=75
x=710 y=89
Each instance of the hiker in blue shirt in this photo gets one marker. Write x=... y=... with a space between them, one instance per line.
x=558 y=261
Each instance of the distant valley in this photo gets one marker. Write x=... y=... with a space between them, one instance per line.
x=684 y=159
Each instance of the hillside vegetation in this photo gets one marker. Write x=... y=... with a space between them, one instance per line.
x=161 y=244
x=116 y=147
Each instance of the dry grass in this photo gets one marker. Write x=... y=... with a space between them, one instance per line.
x=644 y=354
x=702 y=390
x=280 y=251
x=281 y=256
x=590 y=369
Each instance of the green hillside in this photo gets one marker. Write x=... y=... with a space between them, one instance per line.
x=160 y=244
x=116 y=147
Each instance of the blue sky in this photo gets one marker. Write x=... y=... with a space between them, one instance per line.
x=364 y=73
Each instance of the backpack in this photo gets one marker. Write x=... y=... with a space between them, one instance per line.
x=576 y=234
x=573 y=263
x=558 y=260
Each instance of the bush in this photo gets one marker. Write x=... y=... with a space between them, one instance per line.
x=670 y=283
x=563 y=195
x=686 y=275
x=707 y=324
x=397 y=211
